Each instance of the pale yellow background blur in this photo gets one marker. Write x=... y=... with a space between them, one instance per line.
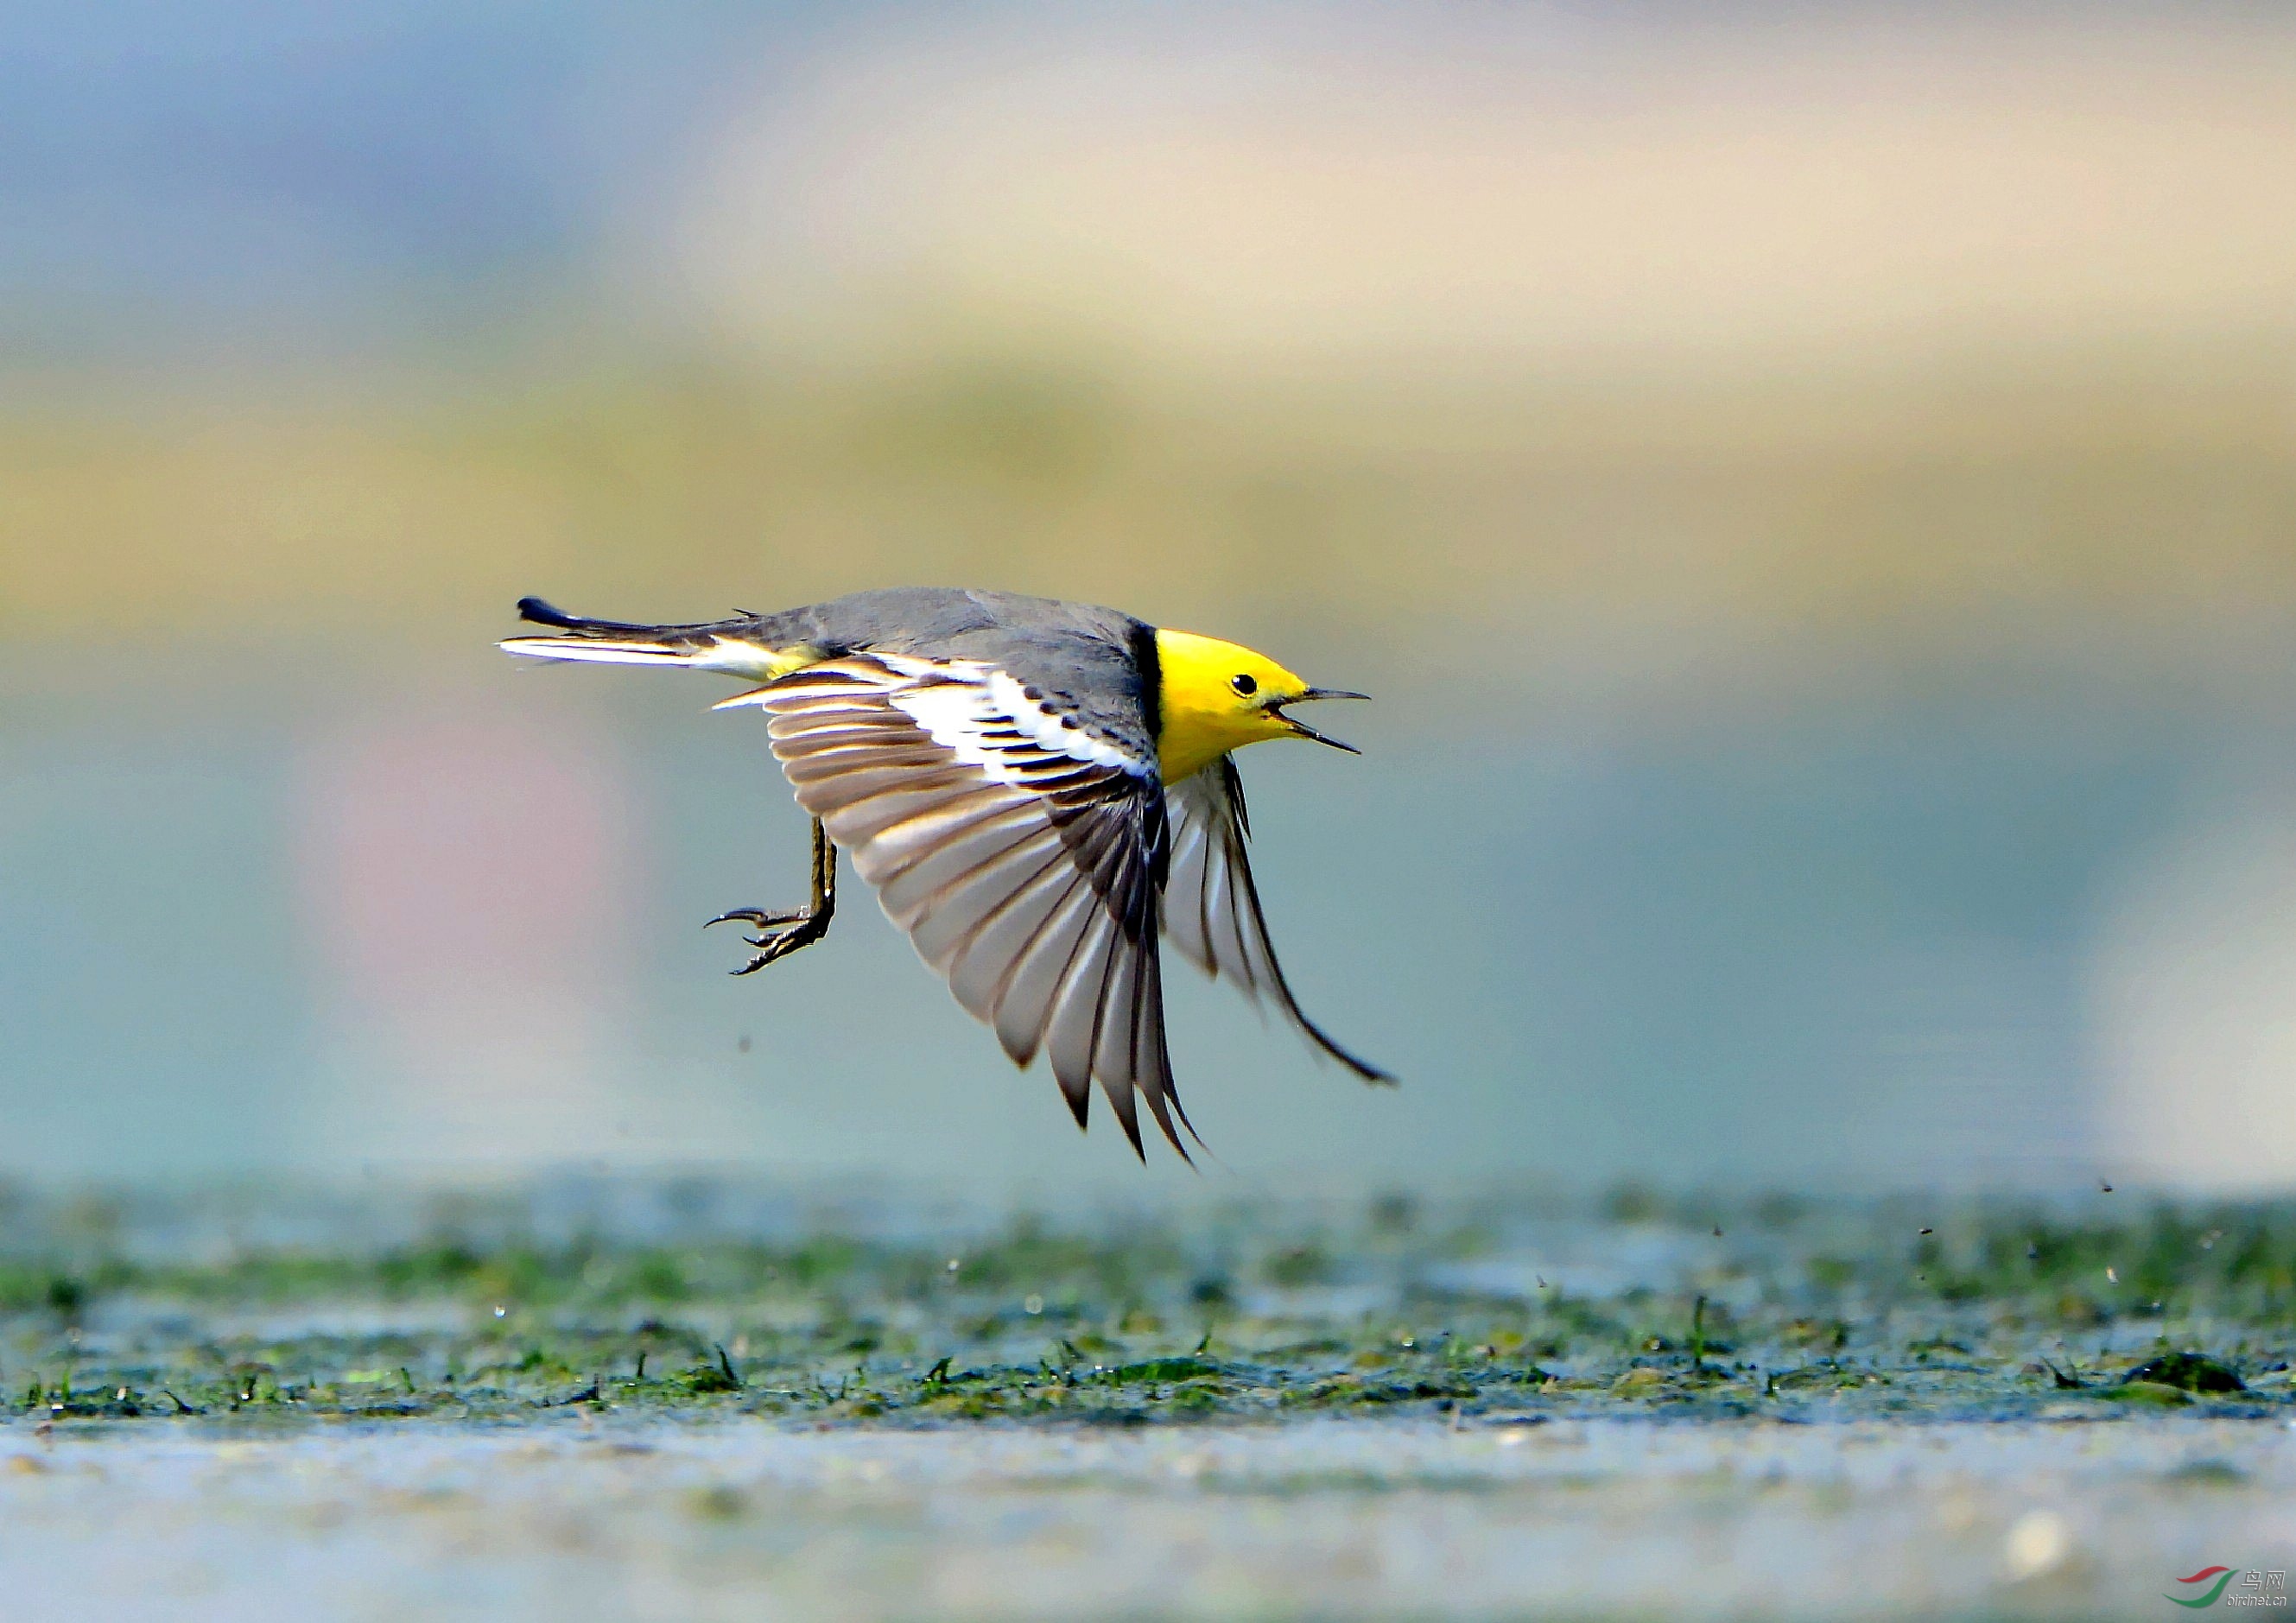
x=1814 y=494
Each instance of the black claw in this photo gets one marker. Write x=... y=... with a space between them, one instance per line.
x=758 y=916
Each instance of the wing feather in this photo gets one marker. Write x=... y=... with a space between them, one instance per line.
x=1023 y=859
x=861 y=821
x=897 y=848
x=982 y=966
x=1072 y=1024
x=1211 y=906
x=977 y=854
x=938 y=924
x=1072 y=1034
x=1029 y=987
x=980 y=896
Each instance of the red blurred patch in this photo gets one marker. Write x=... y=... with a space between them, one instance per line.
x=447 y=859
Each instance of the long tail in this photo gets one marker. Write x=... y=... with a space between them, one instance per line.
x=735 y=647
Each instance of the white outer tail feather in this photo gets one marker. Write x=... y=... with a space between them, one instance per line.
x=719 y=654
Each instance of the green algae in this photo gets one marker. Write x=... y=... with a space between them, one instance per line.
x=1271 y=1310
x=2189 y=1371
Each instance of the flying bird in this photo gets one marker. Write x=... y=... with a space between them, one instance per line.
x=1039 y=791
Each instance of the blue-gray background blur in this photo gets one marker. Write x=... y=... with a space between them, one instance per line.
x=1814 y=491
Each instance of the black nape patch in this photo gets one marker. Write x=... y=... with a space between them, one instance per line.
x=1152 y=678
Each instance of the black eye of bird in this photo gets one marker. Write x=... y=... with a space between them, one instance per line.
x=1245 y=685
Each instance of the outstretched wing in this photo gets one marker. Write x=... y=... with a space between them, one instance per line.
x=1023 y=852
x=1211 y=908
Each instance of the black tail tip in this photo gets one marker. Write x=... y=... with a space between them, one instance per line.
x=540 y=613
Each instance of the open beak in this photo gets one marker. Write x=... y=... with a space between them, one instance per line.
x=1301 y=728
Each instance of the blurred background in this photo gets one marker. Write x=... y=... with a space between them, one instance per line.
x=1813 y=489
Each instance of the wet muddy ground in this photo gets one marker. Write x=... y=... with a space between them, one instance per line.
x=702 y=1398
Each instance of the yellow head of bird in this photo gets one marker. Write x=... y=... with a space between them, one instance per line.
x=1218 y=696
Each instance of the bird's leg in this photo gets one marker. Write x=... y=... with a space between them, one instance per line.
x=780 y=934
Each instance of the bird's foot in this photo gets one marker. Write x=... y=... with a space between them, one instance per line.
x=779 y=934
